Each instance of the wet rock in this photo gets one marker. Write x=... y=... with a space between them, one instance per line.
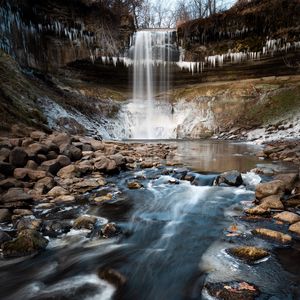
x=44 y=185
x=273 y=235
x=287 y=217
x=54 y=228
x=6 y=169
x=22 y=212
x=173 y=181
x=231 y=178
x=233 y=290
x=18 y=157
x=27 y=242
x=85 y=185
x=134 y=185
x=112 y=276
x=57 y=191
x=146 y=164
x=288 y=179
x=5 y=215
x=272 y=202
x=257 y=210
x=4 y=237
x=68 y=172
x=110 y=230
x=64 y=199
x=248 y=253
x=85 y=222
x=189 y=177
x=28 y=222
x=275 y=187
x=120 y=160
x=101 y=199
x=295 y=228
x=51 y=166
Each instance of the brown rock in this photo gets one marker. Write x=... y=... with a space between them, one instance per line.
x=112 y=167
x=134 y=185
x=14 y=195
x=22 y=212
x=21 y=173
x=18 y=157
x=275 y=187
x=51 y=166
x=60 y=138
x=44 y=185
x=101 y=163
x=34 y=149
x=31 y=164
x=63 y=160
x=4 y=154
x=68 y=172
x=29 y=222
x=57 y=191
x=85 y=222
x=248 y=253
x=113 y=277
x=85 y=185
x=36 y=174
x=146 y=164
x=288 y=179
x=287 y=217
x=273 y=235
x=109 y=230
x=295 y=228
x=38 y=135
x=272 y=202
x=64 y=199
x=5 y=215
x=52 y=155
x=257 y=210
x=97 y=145
x=9 y=183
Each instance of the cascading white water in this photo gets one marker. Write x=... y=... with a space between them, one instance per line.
x=152 y=54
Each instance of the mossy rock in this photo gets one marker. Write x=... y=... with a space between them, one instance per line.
x=28 y=242
x=248 y=253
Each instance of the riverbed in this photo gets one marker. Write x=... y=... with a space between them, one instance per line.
x=173 y=240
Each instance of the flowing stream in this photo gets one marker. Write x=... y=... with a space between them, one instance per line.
x=172 y=242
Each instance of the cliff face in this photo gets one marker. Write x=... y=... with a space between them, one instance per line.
x=49 y=34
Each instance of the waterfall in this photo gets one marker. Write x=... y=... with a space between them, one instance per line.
x=152 y=51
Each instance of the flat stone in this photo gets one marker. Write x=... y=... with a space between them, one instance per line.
x=85 y=222
x=248 y=253
x=257 y=210
x=272 y=202
x=295 y=228
x=36 y=174
x=57 y=191
x=44 y=185
x=287 y=217
x=275 y=187
x=273 y=235
x=64 y=199
x=14 y=195
x=68 y=172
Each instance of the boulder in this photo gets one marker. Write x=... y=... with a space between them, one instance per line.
x=52 y=155
x=31 y=164
x=9 y=183
x=231 y=178
x=101 y=163
x=54 y=228
x=146 y=164
x=257 y=210
x=85 y=167
x=287 y=217
x=4 y=237
x=119 y=159
x=68 y=172
x=63 y=160
x=273 y=235
x=57 y=191
x=5 y=215
x=295 y=228
x=97 y=145
x=233 y=290
x=134 y=185
x=112 y=167
x=72 y=152
x=272 y=202
x=44 y=185
x=15 y=195
x=64 y=199
x=35 y=175
x=275 y=187
x=85 y=185
x=112 y=276
x=85 y=222
x=288 y=179
x=40 y=158
x=38 y=135
x=59 y=139
x=6 y=169
x=101 y=199
x=27 y=242
x=22 y=212
x=51 y=166
x=110 y=230
x=20 y=173
x=248 y=253
x=34 y=149
x=28 y=222
x=18 y=157
x=4 y=154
